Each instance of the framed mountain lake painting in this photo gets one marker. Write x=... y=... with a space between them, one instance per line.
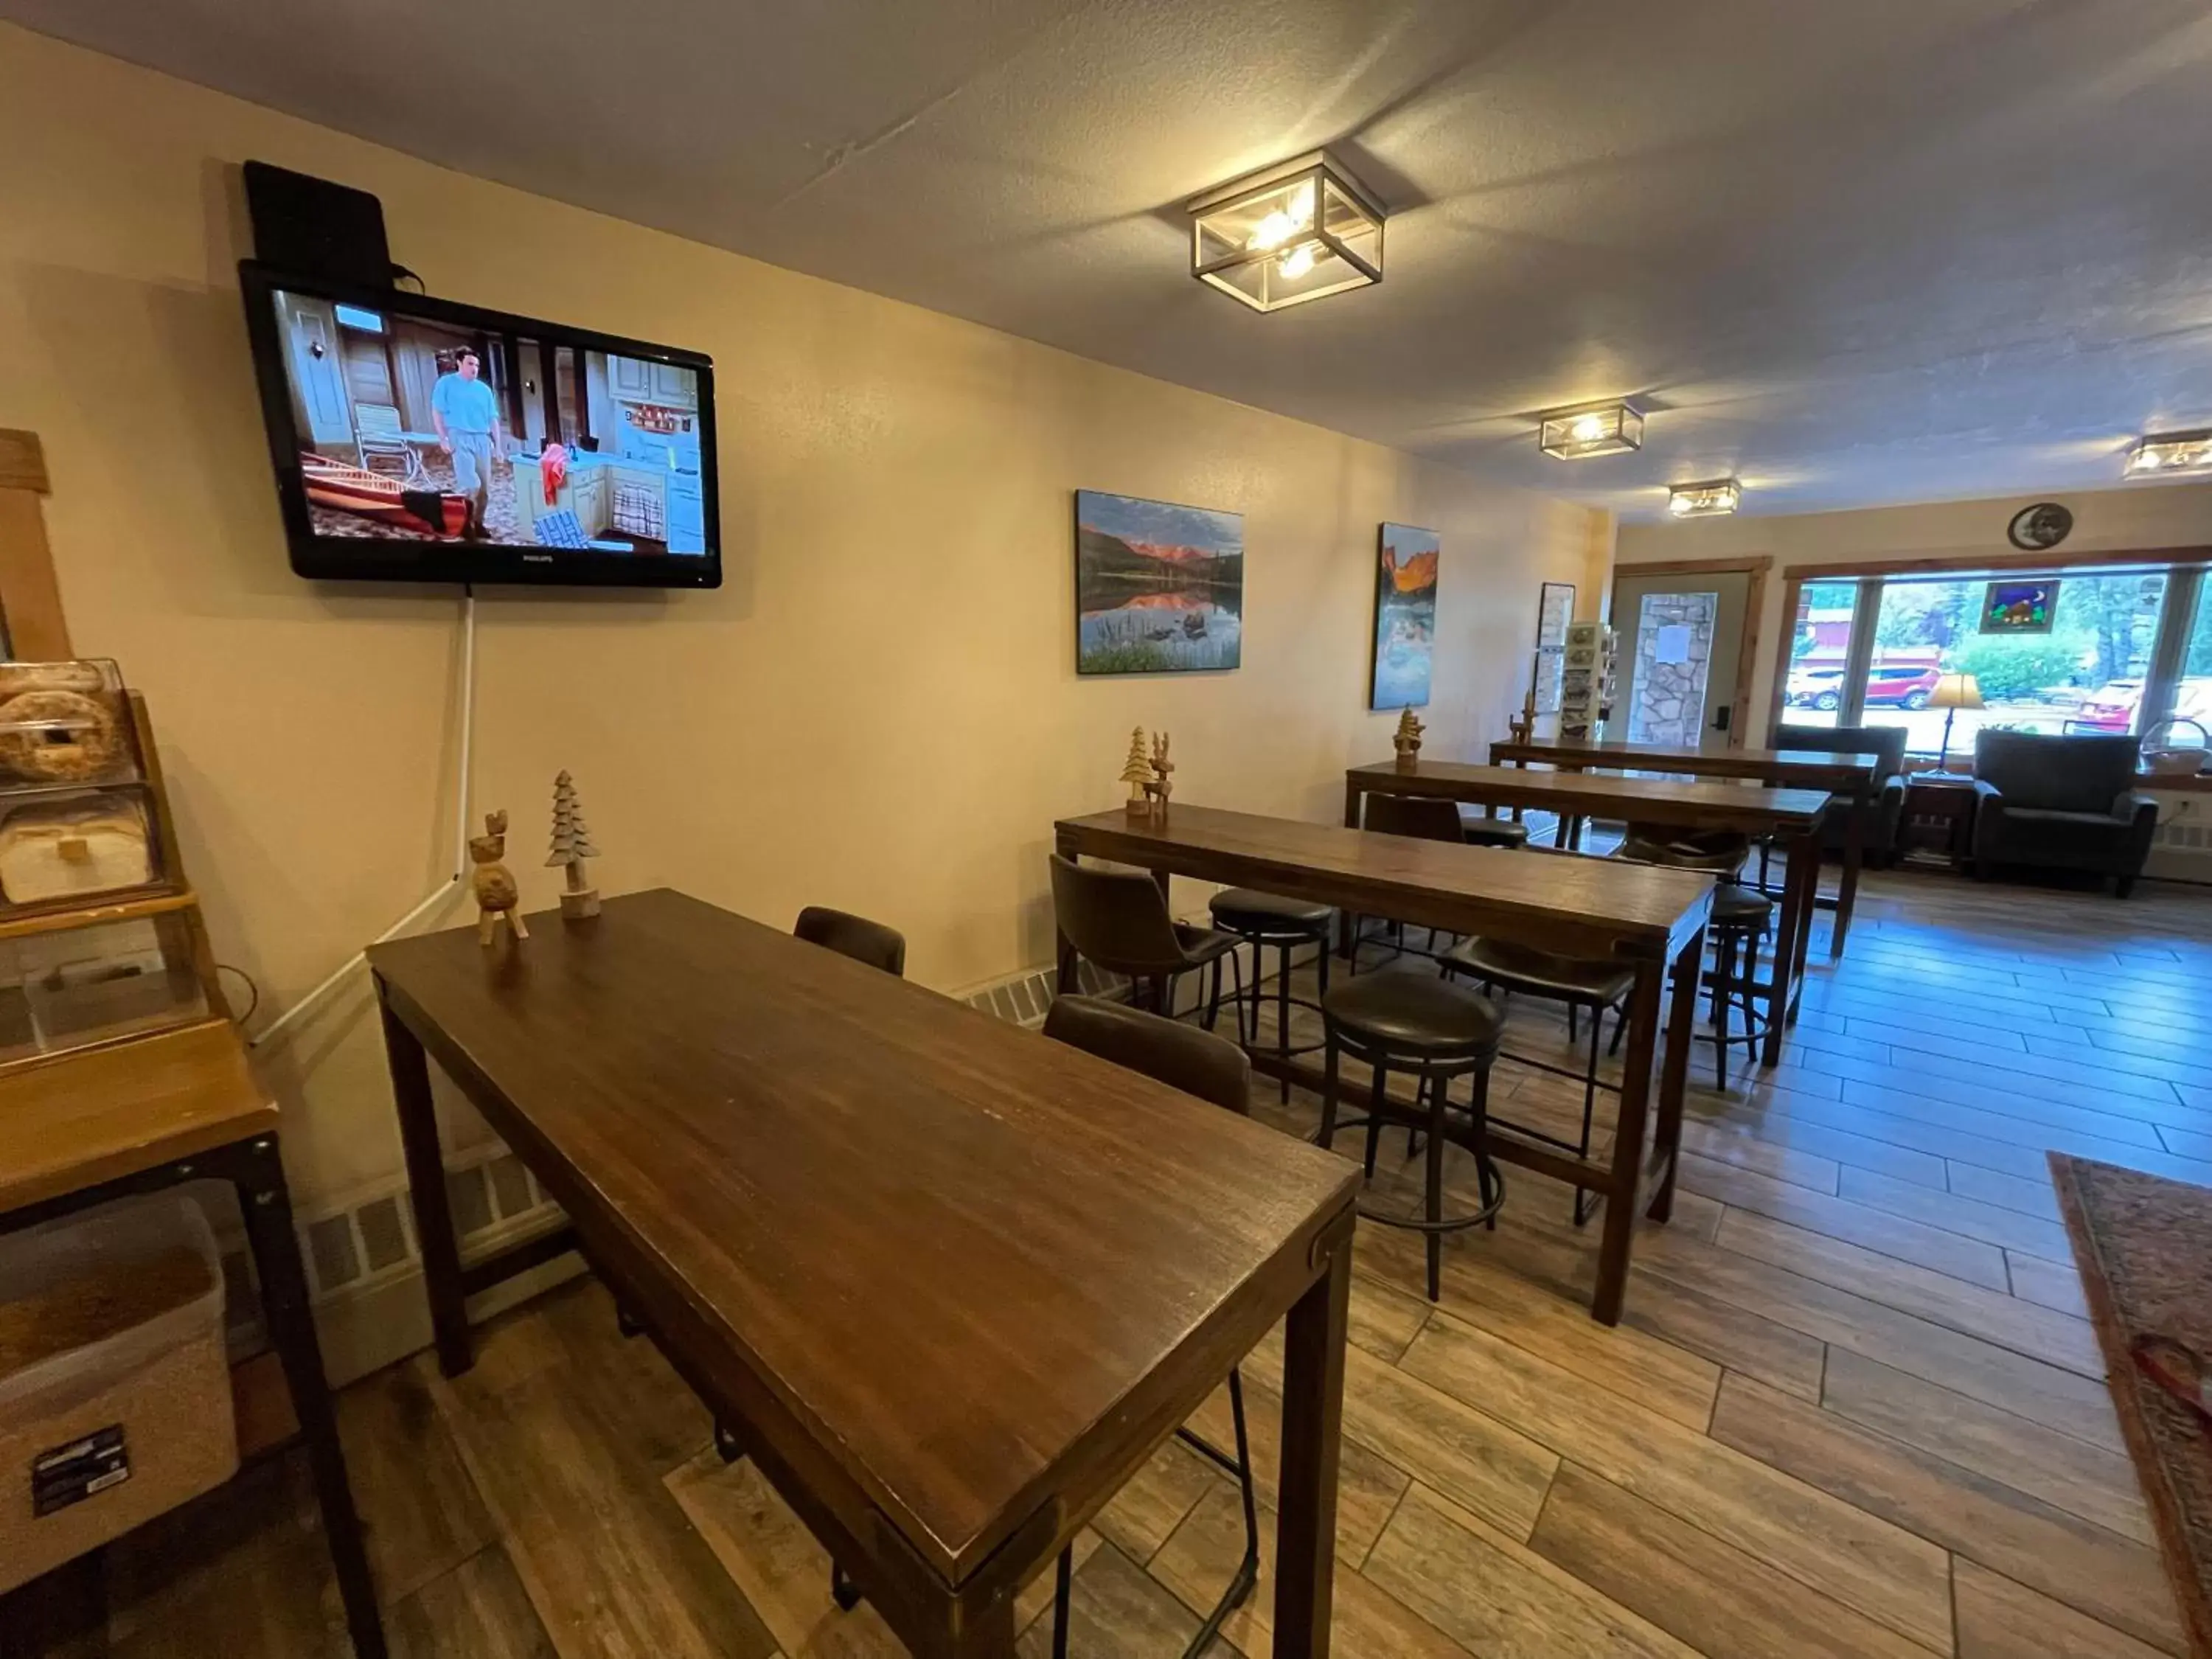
x=1405 y=616
x=1159 y=588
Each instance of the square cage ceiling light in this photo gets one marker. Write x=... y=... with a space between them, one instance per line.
x=1704 y=500
x=2164 y=453
x=1601 y=429
x=1298 y=232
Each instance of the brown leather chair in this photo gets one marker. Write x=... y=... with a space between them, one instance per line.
x=848 y=935
x=1119 y=919
x=2066 y=803
x=1213 y=1069
x=1422 y=817
x=1425 y=818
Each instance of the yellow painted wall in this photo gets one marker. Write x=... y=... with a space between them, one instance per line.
x=2147 y=517
x=878 y=710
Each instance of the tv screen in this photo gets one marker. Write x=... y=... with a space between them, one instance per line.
x=416 y=440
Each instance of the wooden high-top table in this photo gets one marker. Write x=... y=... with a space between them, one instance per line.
x=1652 y=918
x=1739 y=808
x=1854 y=777
x=948 y=1283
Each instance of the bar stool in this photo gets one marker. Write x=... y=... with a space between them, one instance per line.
x=1578 y=982
x=1269 y=918
x=1216 y=1069
x=1405 y=1020
x=1739 y=921
x=1741 y=916
x=1120 y=920
x=1422 y=817
x=1478 y=829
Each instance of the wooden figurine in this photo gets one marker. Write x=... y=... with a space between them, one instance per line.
x=1406 y=741
x=1137 y=773
x=572 y=845
x=1158 y=791
x=496 y=893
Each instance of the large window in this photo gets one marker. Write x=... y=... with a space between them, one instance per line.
x=2103 y=654
x=2192 y=698
x=1820 y=653
x=2087 y=674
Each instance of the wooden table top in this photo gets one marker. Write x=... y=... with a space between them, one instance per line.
x=82 y=1119
x=1817 y=767
x=1599 y=905
x=956 y=1253
x=1723 y=804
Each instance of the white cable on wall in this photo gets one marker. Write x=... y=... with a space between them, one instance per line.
x=460 y=837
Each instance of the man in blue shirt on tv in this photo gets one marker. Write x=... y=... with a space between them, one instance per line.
x=466 y=411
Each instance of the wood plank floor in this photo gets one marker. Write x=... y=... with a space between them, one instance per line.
x=1855 y=1407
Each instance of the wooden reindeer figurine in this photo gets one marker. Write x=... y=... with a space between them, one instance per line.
x=1158 y=791
x=496 y=893
x=1406 y=741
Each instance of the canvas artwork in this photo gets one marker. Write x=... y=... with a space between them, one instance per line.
x=2019 y=607
x=1405 y=616
x=1159 y=589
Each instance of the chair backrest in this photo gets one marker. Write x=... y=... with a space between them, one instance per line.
x=1423 y=816
x=1182 y=1056
x=856 y=936
x=2080 y=773
x=1117 y=918
x=377 y=421
x=1886 y=741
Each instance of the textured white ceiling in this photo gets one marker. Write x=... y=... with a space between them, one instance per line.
x=1860 y=252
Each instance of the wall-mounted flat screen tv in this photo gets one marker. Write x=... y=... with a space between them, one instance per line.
x=415 y=439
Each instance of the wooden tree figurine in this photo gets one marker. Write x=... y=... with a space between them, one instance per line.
x=1406 y=741
x=496 y=893
x=572 y=845
x=1160 y=787
x=1137 y=773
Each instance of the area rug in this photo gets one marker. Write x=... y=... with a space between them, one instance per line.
x=2144 y=1246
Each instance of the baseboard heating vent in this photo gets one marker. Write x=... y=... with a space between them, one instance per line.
x=1024 y=999
x=494 y=1200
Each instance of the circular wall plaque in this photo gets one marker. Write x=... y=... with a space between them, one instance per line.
x=2038 y=528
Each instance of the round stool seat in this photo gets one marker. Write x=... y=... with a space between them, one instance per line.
x=1523 y=967
x=1415 y=1014
x=1479 y=831
x=1741 y=907
x=1721 y=852
x=1247 y=910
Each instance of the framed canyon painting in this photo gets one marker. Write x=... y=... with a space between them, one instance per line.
x=1405 y=616
x=1159 y=588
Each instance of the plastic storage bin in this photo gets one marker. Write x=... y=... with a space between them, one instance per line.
x=115 y=1398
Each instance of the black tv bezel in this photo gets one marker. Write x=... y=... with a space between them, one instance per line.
x=348 y=558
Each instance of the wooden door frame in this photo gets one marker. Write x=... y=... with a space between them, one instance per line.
x=1754 y=602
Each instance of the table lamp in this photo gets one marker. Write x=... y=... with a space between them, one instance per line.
x=1951 y=693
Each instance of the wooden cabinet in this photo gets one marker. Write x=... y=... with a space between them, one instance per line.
x=588 y=496
x=673 y=386
x=1938 y=817
x=632 y=377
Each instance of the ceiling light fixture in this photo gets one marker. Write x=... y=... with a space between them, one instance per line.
x=1704 y=500
x=2171 y=452
x=1601 y=430
x=1293 y=233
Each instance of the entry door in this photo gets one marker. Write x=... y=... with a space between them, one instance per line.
x=1679 y=639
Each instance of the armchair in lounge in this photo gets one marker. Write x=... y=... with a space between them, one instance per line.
x=1886 y=741
x=2065 y=803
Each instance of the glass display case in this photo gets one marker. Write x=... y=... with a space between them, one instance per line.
x=79 y=823
x=71 y=987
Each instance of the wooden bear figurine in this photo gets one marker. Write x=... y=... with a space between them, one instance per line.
x=496 y=893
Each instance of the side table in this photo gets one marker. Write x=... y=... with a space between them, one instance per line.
x=1938 y=817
